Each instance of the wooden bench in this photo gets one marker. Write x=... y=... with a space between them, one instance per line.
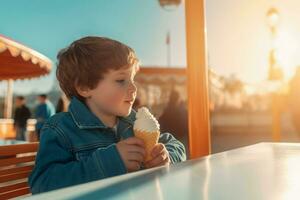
x=16 y=163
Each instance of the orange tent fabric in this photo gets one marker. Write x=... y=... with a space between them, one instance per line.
x=19 y=62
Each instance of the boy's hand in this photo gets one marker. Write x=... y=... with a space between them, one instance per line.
x=132 y=152
x=160 y=156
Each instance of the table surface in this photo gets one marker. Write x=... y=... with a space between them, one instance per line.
x=261 y=171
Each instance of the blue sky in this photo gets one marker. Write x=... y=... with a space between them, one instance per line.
x=238 y=37
x=49 y=25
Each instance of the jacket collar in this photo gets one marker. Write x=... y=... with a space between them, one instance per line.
x=85 y=119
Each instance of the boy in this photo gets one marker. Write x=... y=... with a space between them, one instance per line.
x=95 y=139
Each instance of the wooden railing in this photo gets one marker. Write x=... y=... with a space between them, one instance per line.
x=16 y=163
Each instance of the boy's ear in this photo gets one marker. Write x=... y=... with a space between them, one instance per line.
x=83 y=91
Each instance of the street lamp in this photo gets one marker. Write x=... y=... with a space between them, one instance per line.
x=275 y=72
x=273 y=19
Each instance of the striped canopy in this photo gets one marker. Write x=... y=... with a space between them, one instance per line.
x=20 y=62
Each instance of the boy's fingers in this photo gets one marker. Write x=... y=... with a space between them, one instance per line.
x=159 y=159
x=136 y=157
x=157 y=149
x=134 y=166
x=136 y=149
x=135 y=140
x=165 y=161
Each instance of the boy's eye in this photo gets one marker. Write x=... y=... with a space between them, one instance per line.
x=121 y=82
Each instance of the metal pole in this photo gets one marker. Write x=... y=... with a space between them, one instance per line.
x=168 y=41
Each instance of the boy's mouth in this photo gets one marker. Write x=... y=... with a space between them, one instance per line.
x=130 y=101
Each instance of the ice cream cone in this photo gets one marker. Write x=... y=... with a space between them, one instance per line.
x=146 y=127
x=150 y=139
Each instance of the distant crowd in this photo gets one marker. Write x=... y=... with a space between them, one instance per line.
x=43 y=111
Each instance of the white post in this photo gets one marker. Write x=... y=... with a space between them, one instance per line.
x=9 y=99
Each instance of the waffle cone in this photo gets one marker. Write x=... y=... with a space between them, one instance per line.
x=150 y=139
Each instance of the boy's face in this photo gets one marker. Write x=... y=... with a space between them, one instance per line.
x=115 y=93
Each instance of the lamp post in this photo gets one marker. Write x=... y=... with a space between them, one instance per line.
x=275 y=74
x=169 y=5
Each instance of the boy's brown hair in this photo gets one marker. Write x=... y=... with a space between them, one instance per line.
x=86 y=60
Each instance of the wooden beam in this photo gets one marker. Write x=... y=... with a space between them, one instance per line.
x=197 y=83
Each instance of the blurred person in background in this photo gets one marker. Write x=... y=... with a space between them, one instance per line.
x=21 y=115
x=43 y=111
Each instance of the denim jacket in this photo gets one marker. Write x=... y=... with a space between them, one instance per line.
x=76 y=147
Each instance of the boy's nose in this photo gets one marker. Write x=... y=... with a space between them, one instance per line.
x=132 y=88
